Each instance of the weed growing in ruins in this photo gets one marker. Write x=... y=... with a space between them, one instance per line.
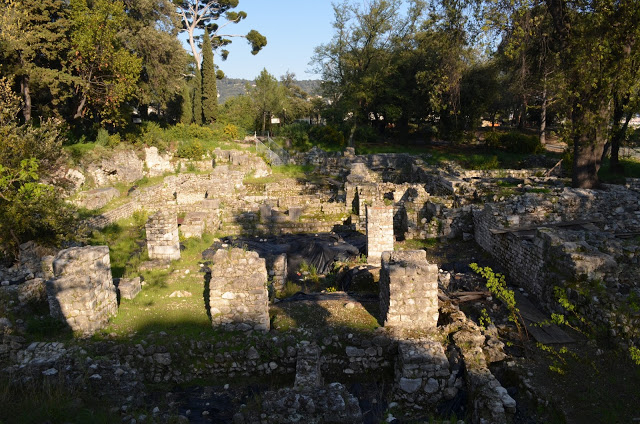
x=634 y=353
x=290 y=288
x=497 y=285
x=484 y=319
x=574 y=321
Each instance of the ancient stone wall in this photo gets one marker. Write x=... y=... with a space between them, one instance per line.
x=193 y=224
x=408 y=291
x=380 y=236
x=422 y=376
x=238 y=297
x=82 y=291
x=277 y=268
x=163 y=241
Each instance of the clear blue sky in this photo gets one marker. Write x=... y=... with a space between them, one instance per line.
x=293 y=29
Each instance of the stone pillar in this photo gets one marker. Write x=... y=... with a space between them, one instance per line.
x=163 y=241
x=238 y=297
x=277 y=268
x=408 y=291
x=308 y=375
x=379 y=232
x=81 y=291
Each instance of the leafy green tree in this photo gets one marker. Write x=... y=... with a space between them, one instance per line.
x=197 y=97
x=239 y=111
x=151 y=33
x=106 y=71
x=209 y=89
x=296 y=104
x=186 y=106
x=595 y=41
x=33 y=50
x=268 y=97
x=29 y=209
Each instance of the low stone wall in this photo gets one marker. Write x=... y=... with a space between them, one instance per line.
x=82 y=291
x=380 y=236
x=408 y=291
x=238 y=297
x=277 y=269
x=193 y=224
x=422 y=375
x=163 y=241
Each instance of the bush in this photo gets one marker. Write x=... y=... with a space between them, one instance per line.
x=192 y=149
x=231 y=131
x=327 y=136
x=299 y=135
x=514 y=142
x=366 y=134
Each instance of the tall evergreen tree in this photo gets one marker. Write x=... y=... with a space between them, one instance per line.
x=209 y=89
x=197 y=98
x=186 y=114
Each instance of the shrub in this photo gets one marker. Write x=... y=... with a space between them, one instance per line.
x=192 y=149
x=327 y=136
x=102 y=139
x=513 y=142
x=366 y=134
x=231 y=131
x=299 y=135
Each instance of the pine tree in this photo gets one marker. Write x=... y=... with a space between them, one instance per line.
x=197 y=98
x=186 y=114
x=209 y=89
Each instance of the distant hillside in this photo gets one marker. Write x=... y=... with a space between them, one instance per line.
x=232 y=87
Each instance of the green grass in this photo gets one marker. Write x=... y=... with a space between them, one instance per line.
x=127 y=244
x=631 y=170
x=282 y=172
x=417 y=244
x=153 y=309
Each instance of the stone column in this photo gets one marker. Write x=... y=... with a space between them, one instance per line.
x=238 y=297
x=81 y=291
x=408 y=291
x=163 y=241
x=379 y=232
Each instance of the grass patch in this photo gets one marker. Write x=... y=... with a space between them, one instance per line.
x=417 y=244
x=127 y=244
x=282 y=172
x=320 y=315
x=631 y=170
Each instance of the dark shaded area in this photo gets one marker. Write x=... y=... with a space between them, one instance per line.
x=319 y=250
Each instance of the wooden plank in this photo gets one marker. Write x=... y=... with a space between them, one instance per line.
x=548 y=334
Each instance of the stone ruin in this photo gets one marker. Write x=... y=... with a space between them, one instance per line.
x=408 y=291
x=379 y=232
x=238 y=296
x=81 y=291
x=163 y=241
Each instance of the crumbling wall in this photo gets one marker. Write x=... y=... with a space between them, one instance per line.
x=82 y=291
x=380 y=236
x=163 y=241
x=422 y=376
x=238 y=297
x=408 y=291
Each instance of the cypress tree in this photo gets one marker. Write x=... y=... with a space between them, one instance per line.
x=197 y=98
x=186 y=113
x=209 y=89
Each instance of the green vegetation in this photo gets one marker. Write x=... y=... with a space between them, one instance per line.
x=497 y=285
x=282 y=172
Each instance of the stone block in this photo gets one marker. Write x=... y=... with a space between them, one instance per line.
x=129 y=287
x=238 y=296
x=163 y=241
x=82 y=291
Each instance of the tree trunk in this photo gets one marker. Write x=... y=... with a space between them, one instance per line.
x=543 y=115
x=80 y=109
x=589 y=139
x=26 y=98
x=617 y=135
x=352 y=133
